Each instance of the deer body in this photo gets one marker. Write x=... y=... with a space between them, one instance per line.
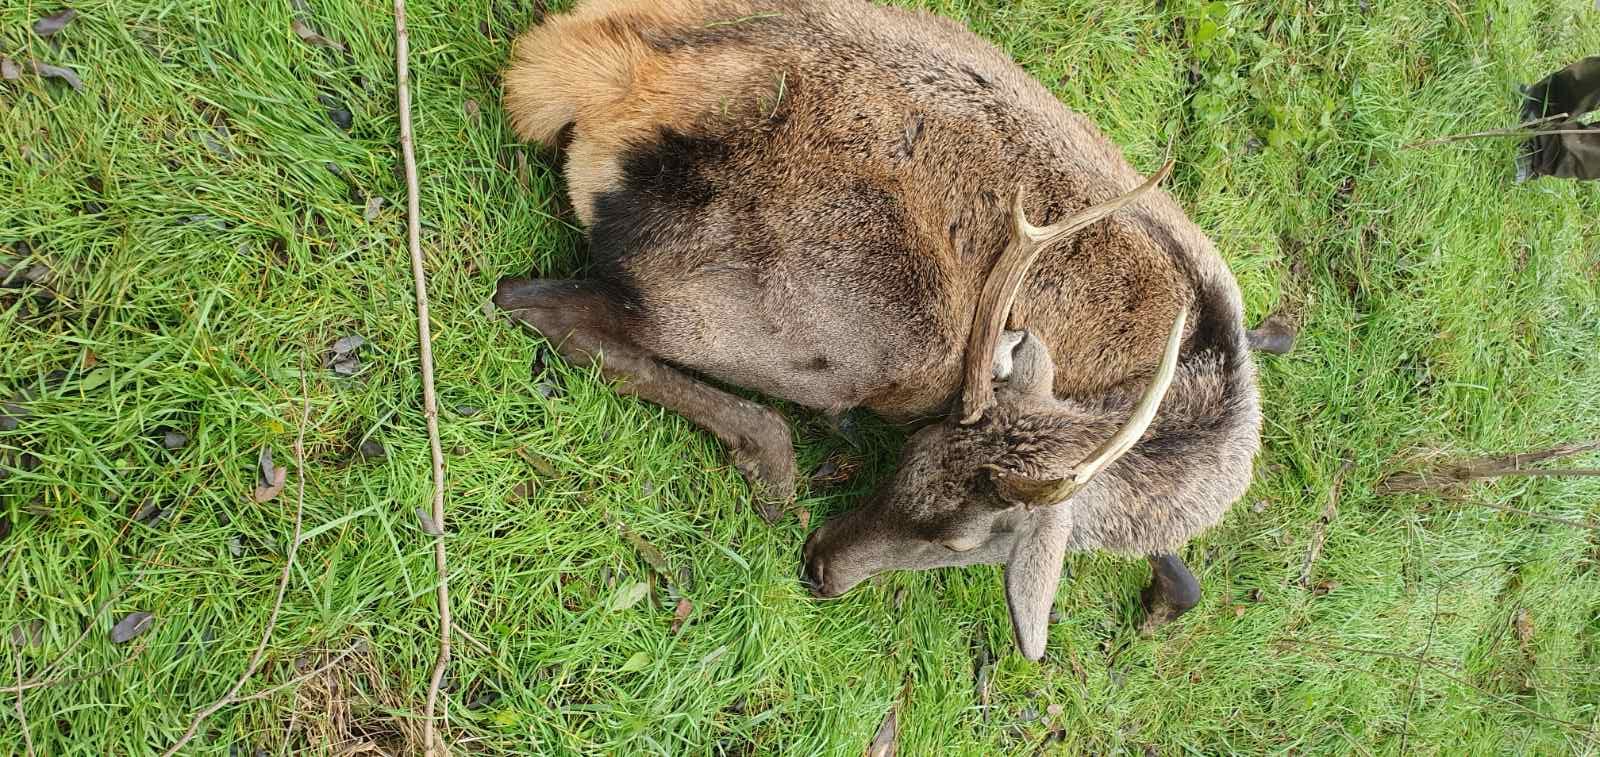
x=805 y=198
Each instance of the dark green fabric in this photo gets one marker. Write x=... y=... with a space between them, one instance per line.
x=1574 y=90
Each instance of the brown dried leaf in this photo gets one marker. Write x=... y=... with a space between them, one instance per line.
x=131 y=626
x=1523 y=622
x=54 y=22
x=429 y=525
x=310 y=36
x=805 y=519
x=9 y=70
x=58 y=72
x=887 y=740
x=271 y=478
x=681 y=614
x=654 y=557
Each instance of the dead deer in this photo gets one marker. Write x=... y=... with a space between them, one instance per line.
x=828 y=201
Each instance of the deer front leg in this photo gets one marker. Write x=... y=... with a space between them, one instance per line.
x=584 y=325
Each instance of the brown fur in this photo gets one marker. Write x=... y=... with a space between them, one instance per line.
x=803 y=197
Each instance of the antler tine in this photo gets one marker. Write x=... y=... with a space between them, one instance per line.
x=1144 y=412
x=1005 y=278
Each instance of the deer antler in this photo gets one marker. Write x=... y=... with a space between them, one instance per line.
x=1005 y=278
x=1040 y=493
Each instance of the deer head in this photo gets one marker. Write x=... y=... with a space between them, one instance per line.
x=997 y=482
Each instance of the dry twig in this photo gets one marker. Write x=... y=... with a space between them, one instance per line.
x=419 y=276
x=1485 y=468
x=42 y=683
x=283 y=581
x=1319 y=536
x=1524 y=129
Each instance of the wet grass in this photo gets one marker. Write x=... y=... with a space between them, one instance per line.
x=209 y=230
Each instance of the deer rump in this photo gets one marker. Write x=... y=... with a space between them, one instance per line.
x=806 y=198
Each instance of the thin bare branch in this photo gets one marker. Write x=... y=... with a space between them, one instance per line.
x=1524 y=129
x=283 y=581
x=433 y=743
x=45 y=683
x=1447 y=475
x=303 y=677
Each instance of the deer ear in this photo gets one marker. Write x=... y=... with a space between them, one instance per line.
x=1032 y=576
x=1019 y=489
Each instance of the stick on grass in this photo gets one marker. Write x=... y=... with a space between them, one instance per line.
x=283 y=580
x=430 y=407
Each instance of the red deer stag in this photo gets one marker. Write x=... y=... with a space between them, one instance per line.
x=829 y=201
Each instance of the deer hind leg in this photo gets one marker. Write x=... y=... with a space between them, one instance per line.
x=1172 y=592
x=582 y=322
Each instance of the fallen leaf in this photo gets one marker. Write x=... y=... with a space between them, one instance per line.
x=371 y=449
x=310 y=36
x=629 y=596
x=1256 y=595
x=131 y=626
x=681 y=614
x=148 y=513
x=174 y=440
x=94 y=379
x=654 y=557
x=235 y=546
x=264 y=464
x=429 y=525
x=523 y=490
x=714 y=655
x=374 y=205
x=805 y=519
x=467 y=411
x=1055 y=710
x=89 y=359
x=1238 y=611
x=1324 y=586
x=639 y=661
x=271 y=478
x=58 y=72
x=887 y=740
x=9 y=70
x=539 y=462
x=338 y=113
x=344 y=345
x=11 y=414
x=1275 y=335
x=347 y=366
x=55 y=22
x=471 y=108
x=28 y=634
x=1524 y=626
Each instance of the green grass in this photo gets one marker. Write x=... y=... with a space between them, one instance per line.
x=1445 y=309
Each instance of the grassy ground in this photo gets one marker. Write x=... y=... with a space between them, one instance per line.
x=206 y=228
